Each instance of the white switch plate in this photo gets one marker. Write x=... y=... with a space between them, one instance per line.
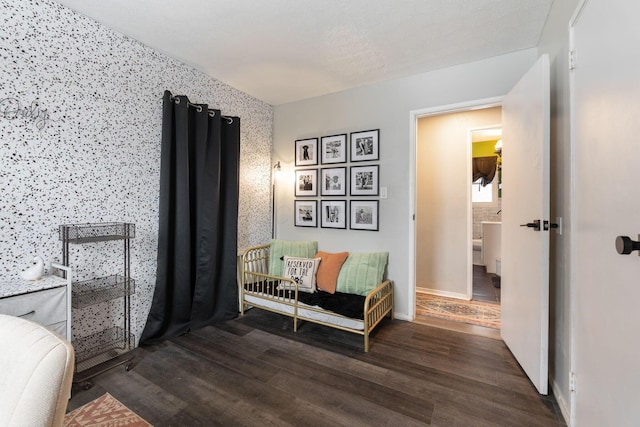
x=383 y=192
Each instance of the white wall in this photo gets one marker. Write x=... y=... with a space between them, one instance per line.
x=555 y=42
x=443 y=225
x=385 y=106
x=97 y=157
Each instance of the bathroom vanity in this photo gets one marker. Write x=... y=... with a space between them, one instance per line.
x=491 y=245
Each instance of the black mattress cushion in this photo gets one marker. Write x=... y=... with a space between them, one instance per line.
x=349 y=305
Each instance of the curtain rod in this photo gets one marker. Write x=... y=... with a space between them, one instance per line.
x=212 y=113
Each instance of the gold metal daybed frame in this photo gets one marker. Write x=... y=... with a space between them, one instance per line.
x=255 y=284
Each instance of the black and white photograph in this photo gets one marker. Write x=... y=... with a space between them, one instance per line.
x=364 y=145
x=364 y=215
x=364 y=180
x=333 y=149
x=307 y=152
x=333 y=214
x=306 y=183
x=333 y=182
x=306 y=214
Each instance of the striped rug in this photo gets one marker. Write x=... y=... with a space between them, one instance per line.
x=474 y=312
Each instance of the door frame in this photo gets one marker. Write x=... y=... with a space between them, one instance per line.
x=414 y=115
x=470 y=200
x=571 y=230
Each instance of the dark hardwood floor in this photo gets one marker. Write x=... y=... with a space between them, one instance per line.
x=256 y=371
x=484 y=288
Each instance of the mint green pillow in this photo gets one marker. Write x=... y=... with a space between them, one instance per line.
x=362 y=272
x=280 y=248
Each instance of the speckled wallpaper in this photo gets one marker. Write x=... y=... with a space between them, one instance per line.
x=80 y=124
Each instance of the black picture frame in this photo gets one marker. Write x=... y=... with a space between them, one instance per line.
x=305 y=213
x=364 y=180
x=365 y=145
x=306 y=184
x=333 y=149
x=333 y=214
x=333 y=181
x=306 y=152
x=363 y=215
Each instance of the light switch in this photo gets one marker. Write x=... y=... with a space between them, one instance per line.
x=383 y=192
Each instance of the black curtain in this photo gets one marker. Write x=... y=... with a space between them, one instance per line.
x=197 y=237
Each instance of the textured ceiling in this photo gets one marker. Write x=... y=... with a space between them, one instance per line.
x=286 y=50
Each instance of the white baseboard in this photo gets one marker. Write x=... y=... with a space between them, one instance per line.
x=402 y=316
x=440 y=293
x=562 y=403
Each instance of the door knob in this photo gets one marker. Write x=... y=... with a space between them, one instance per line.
x=624 y=245
x=535 y=224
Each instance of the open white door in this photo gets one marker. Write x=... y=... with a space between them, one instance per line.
x=525 y=249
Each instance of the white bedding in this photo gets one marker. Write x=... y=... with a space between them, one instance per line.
x=325 y=316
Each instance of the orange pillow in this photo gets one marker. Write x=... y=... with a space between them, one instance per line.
x=327 y=275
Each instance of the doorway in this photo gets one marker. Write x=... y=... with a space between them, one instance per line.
x=444 y=214
x=525 y=243
x=486 y=210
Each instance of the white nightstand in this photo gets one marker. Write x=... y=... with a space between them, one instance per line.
x=46 y=301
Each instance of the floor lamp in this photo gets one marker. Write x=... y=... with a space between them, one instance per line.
x=276 y=171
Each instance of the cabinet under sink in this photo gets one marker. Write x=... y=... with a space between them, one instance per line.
x=491 y=245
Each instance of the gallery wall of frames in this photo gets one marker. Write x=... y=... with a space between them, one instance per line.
x=337 y=181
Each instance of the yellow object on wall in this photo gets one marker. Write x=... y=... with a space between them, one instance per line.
x=483 y=149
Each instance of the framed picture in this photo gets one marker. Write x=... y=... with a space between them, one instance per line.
x=333 y=149
x=306 y=213
x=364 y=215
x=307 y=152
x=333 y=214
x=364 y=145
x=333 y=181
x=306 y=183
x=364 y=180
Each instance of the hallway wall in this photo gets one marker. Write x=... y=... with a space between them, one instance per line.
x=443 y=211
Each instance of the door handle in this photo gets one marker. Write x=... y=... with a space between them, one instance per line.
x=624 y=245
x=535 y=225
x=27 y=314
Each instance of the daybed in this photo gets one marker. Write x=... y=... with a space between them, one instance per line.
x=359 y=310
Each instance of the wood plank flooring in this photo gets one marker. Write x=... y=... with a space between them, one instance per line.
x=255 y=371
x=483 y=288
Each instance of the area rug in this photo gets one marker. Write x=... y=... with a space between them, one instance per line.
x=105 y=411
x=473 y=312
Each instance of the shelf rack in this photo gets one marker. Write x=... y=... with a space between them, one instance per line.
x=102 y=289
x=102 y=350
